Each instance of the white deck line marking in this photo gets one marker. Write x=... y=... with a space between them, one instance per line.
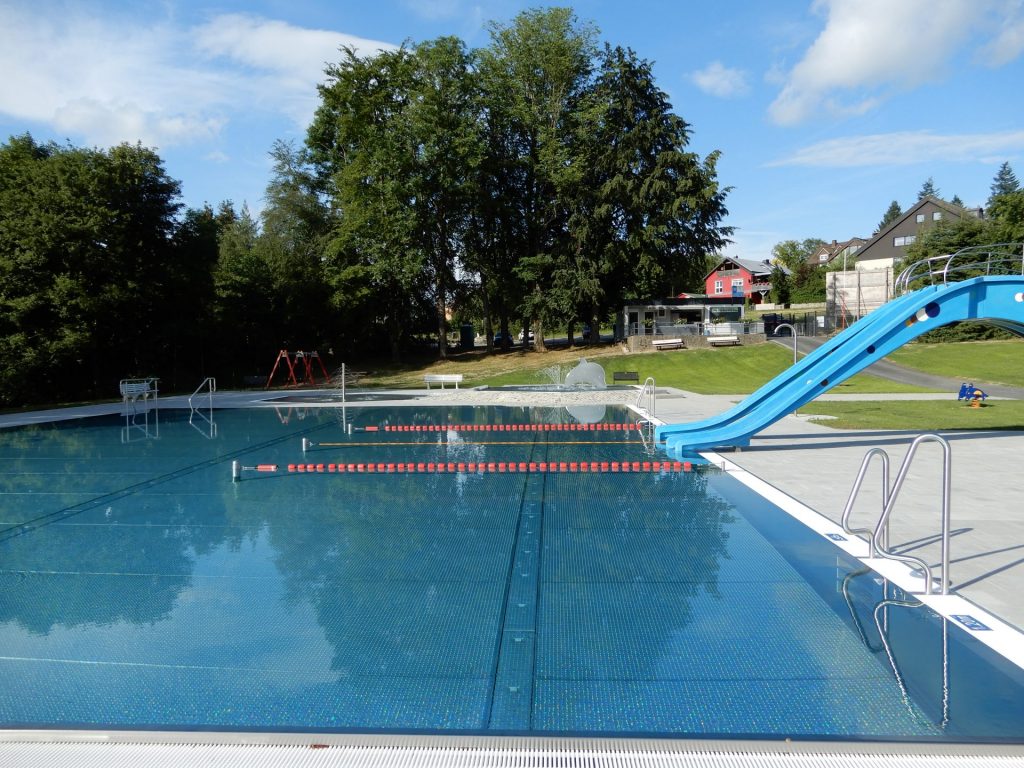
x=1002 y=638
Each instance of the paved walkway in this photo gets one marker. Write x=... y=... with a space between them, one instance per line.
x=818 y=465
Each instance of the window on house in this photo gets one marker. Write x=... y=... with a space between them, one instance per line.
x=920 y=218
x=936 y=216
x=899 y=242
x=737 y=282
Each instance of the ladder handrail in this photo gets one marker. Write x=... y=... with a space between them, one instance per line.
x=210 y=382
x=882 y=525
x=650 y=389
x=845 y=519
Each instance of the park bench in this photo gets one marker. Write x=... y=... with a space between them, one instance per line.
x=723 y=341
x=442 y=379
x=668 y=344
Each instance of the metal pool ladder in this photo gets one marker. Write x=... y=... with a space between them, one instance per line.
x=878 y=541
x=648 y=396
x=210 y=430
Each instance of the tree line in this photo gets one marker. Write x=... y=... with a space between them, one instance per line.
x=538 y=181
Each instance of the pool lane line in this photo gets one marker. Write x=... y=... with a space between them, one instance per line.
x=509 y=704
x=49 y=518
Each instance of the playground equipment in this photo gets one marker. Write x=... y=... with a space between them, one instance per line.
x=972 y=394
x=305 y=359
x=973 y=284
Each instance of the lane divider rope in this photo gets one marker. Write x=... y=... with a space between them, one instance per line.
x=471 y=467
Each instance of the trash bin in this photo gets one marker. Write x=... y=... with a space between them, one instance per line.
x=771 y=323
x=466 y=338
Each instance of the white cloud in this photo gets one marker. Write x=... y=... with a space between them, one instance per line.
x=871 y=44
x=905 y=148
x=1009 y=43
x=719 y=80
x=107 y=80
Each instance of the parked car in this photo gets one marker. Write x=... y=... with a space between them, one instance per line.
x=523 y=334
x=586 y=332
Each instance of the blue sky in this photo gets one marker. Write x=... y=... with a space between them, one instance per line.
x=824 y=111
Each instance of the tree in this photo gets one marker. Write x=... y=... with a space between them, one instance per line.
x=295 y=225
x=644 y=212
x=892 y=213
x=794 y=253
x=957 y=201
x=928 y=189
x=244 y=289
x=780 y=285
x=1004 y=182
x=1006 y=214
x=85 y=236
x=534 y=74
x=362 y=145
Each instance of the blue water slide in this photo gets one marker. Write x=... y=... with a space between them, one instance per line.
x=997 y=299
x=885 y=314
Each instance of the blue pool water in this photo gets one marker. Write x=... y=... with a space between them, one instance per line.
x=141 y=588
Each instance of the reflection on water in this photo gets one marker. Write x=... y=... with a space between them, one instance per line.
x=140 y=587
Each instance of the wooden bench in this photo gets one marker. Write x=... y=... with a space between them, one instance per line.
x=625 y=376
x=442 y=379
x=668 y=344
x=723 y=341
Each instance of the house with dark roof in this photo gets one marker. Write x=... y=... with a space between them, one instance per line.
x=888 y=246
x=741 y=278
x=842 y=250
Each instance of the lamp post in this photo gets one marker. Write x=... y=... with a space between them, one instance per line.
x=792 y=330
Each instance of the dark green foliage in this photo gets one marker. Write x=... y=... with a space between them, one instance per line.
x=85 y=238
x=808 y=284
x=781 y=288
x=892 y=213
x=1004 y=183
x=928 y=189
x=969 y=330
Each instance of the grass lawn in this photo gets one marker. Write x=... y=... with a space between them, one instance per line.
x=731 y=370
x=983 y=362
x=920 y=415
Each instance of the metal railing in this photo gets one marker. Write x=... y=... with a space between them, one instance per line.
x=647 y=399
x=209 y=430
x=879 y=539
x=973 y=261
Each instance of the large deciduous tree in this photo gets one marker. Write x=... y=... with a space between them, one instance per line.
x=534 y=76
x=84 y=240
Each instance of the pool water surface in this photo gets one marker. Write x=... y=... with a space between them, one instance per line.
x=140 y=587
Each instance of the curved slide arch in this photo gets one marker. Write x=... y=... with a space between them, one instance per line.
x=998 y=299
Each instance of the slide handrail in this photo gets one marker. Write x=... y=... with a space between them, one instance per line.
x=973 y=261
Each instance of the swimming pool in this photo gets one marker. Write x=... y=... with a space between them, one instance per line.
x=141 y=588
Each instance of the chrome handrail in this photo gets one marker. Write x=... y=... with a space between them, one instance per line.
x=650 y=391
x=882 y=526
x=208 y=382
x=845 y=519
x=997 y=258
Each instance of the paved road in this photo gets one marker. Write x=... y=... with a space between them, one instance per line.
x=888 y=370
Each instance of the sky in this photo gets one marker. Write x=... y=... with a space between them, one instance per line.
x=824 y=111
